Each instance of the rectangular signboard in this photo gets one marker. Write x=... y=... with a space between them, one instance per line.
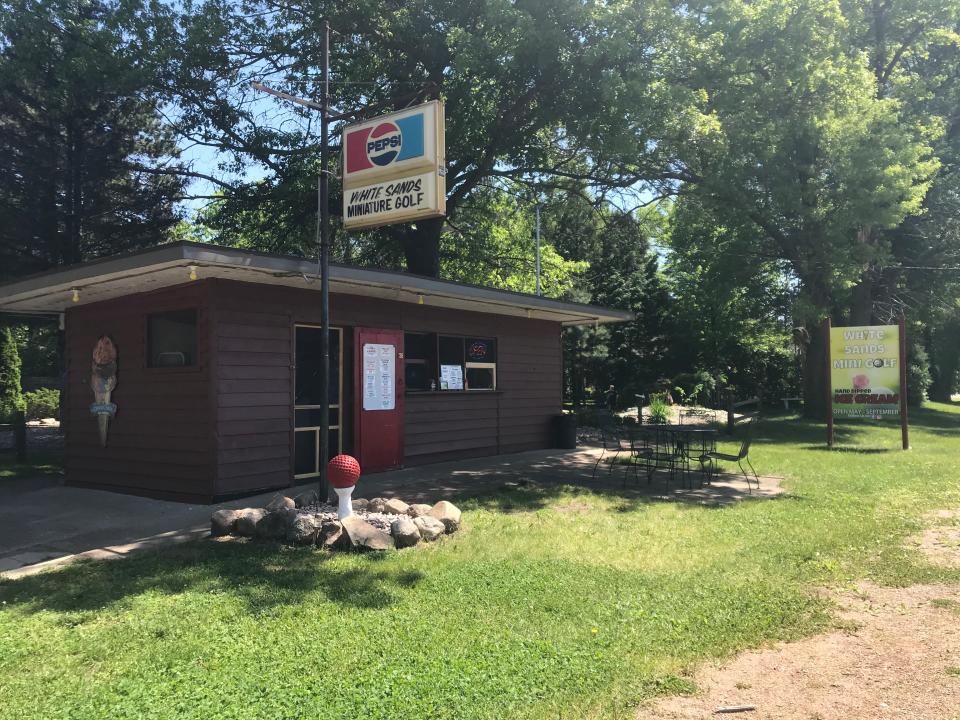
x=394 y=167
x=404 y=199
x=865 y=371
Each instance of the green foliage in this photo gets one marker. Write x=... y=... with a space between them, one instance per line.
x=731 y=307
x=42 y=403
x=11 y=397
x=918 y=374
x=658 y=409
x=80 y=134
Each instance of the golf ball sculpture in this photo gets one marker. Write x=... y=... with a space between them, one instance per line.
x=343 y=471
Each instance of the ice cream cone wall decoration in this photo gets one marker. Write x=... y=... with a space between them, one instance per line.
x=103 y=379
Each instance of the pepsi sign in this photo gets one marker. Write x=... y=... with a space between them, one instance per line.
x=385 y=158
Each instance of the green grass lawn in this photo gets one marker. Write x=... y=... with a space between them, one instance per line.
x=38 y=462
x=551 y=603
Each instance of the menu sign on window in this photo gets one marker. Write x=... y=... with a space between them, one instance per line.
x=379 y=367
x=451 y=377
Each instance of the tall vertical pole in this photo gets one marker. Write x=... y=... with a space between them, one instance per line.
x=828 y=379
x=904 y=425
x=324 y=202
x=538 y=248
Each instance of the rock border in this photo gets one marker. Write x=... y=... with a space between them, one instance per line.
x=377 y=524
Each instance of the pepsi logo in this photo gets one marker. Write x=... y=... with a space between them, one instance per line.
x=384 y=143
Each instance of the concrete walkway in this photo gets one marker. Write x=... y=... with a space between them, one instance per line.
x=43 y=523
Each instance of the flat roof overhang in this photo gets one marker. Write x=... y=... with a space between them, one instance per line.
x=168 y=265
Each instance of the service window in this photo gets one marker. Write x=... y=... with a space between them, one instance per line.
x=467 y=363
x=172 y=339
x=419 y=360
x=481 y=363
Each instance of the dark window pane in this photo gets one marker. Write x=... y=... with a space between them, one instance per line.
x=172 y=339
x=451 y=350
x=417 y=375
x=419 y=346
x=481 y=350
x=305 y=452
x=479 y=378
x=308 y=366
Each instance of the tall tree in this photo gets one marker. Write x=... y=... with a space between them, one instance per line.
x=803 y=147
x=82 y=146
x=537 y=91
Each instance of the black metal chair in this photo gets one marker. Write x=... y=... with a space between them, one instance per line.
x=710 y=459
x=613 y=438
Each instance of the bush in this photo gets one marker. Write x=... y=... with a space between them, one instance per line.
x=918 y=375
x=42 y=403
x=11 y=398
x=659 y=409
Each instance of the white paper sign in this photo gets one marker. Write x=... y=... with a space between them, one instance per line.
x=451 y=377
x=379 y=366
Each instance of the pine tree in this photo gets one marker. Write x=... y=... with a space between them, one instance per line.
x=81 y=143
x=11 y=396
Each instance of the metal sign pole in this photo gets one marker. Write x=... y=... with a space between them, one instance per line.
x=828 y=384
x=904 y=424
x=324 y=201
x=538 y=247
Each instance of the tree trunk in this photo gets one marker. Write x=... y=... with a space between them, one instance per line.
x=421 y=247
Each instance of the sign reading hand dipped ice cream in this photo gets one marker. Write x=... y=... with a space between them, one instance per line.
x=103 y=379
x=393 y=167
x=865 y=371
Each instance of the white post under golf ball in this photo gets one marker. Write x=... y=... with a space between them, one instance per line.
x=345 y=506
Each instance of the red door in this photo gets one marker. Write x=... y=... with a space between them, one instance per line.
x=378 y=412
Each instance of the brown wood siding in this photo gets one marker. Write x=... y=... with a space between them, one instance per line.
x=159 y=443
x=254 y=391
x=438 y=426
x=225 y=427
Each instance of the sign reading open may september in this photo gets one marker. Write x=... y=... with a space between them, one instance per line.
x=865 y=371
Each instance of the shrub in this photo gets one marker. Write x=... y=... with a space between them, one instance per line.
x=918 y=374
x=11 y=398
x=42 y=403
x=659 y=409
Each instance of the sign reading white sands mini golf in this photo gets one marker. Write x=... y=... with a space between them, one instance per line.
x=393 y=169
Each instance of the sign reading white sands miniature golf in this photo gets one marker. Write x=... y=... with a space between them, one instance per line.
x=394 y=167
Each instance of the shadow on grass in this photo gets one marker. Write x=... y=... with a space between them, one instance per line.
x=264 y=576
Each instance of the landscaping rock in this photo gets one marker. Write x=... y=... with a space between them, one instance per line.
x=247 y=521
x=274 y=525
x=223 y=522
x=377 y=505
x=280 y=502
x=418 y=510
x=360 y=504
x=430 y=528
x=395 y=506
x=447 y=513
x=332 y=536
x=303 y=530
x=306 y=499
x=405 y=533
x=364 y=536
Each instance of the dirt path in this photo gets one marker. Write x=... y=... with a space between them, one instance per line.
x=901 y=661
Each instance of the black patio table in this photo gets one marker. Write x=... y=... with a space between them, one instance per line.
x=672 y=447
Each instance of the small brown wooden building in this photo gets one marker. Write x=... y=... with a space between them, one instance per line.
x=218 y=367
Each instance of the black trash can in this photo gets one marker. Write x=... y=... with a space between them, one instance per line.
x=565 y=431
